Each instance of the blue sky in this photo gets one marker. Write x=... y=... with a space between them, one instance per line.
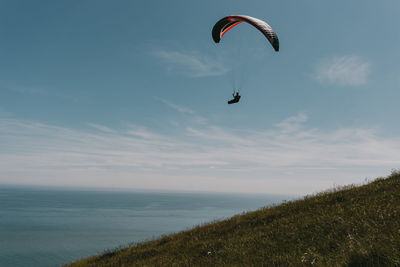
x=132 y=94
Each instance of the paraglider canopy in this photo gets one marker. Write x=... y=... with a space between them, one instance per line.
x=227 y=23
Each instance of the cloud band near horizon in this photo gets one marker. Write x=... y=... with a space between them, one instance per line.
x=290 y=156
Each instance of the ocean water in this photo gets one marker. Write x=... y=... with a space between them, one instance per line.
x=51 y=227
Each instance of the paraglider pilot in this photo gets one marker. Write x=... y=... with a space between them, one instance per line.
x=236 y=98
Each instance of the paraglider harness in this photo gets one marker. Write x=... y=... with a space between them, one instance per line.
x=236 y=98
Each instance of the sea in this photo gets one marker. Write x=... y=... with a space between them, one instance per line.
x=42 y=226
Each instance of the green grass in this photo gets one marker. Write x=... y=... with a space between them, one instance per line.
x=347 y=226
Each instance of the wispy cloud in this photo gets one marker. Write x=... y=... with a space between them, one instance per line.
x=191 y=63
x=293 y=123
x=287 y=158
x=4 y=113
x=101 y=128
x=36 y=91
x=176 y=107
x=343 y=70
x=26 y=89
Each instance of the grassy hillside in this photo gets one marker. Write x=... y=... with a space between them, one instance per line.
x=349 y=226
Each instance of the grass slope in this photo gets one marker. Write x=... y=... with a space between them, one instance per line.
x=348 y=226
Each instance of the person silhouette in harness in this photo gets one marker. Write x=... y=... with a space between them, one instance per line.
x=236 y=98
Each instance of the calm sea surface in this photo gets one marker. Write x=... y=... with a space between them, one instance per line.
x=50 y=227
